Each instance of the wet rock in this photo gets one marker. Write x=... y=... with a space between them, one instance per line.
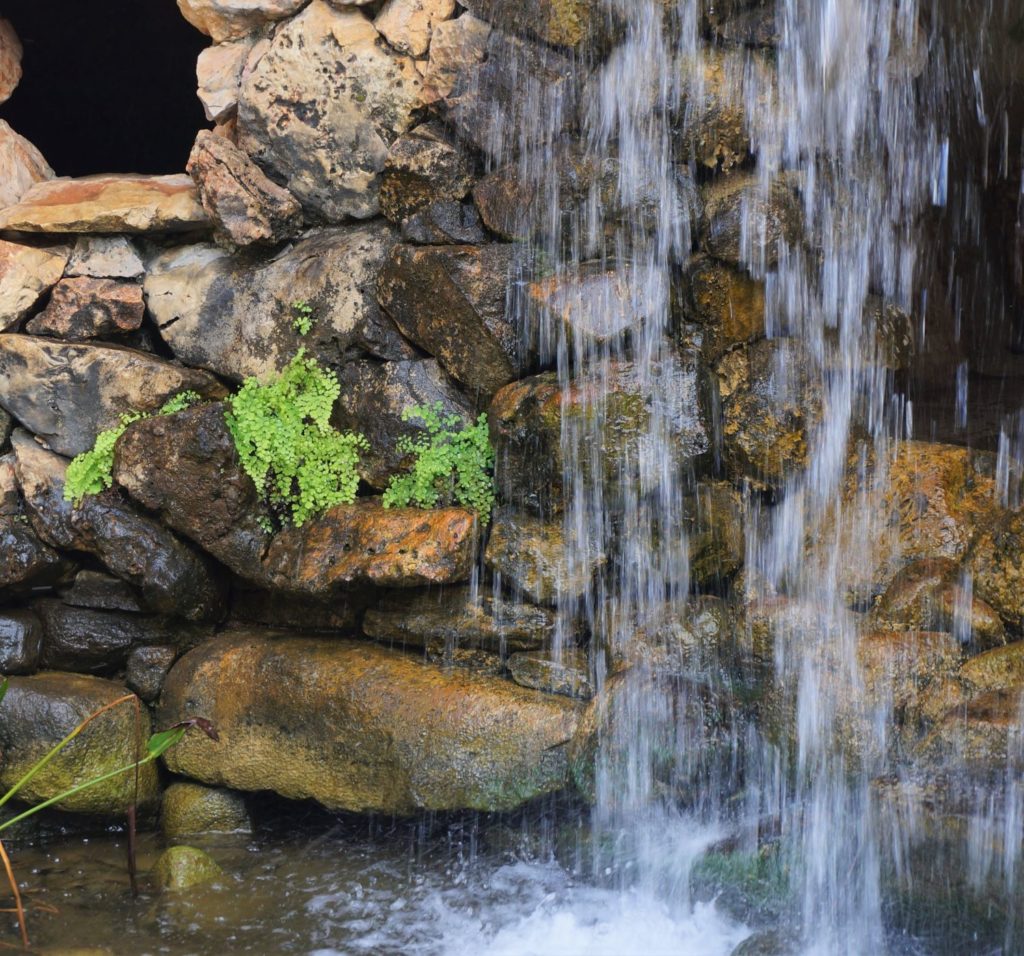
x=727 y=304
x=321 y=108
x=364 y=729
x=173 y=578
x=21 y=166
x=746 y=225
x=41 y=710
x=624 y=403
x=456 y=45
x=68 y=393
x=452 y=618
x=219 y=76
x=570 y=23
x=481 y=663
x=21 y=641
x=182 y=867
x=185 y=467
x=930 y=594
x=338 y=614
x=26 y=274
x=1001 y=668
x=451 y=301
x=98 y=642
x=192 y=808
x=113 y=203
x=105 y=257
x=996 y=562
x=228 y=20
x=534 y=558
x=147 y=668
x=407 y=25
x=771 y=403
x=422 y=169
x=373 y=397
x=232 y=312
x=103 y=593
x=83 y=308
x=752 y=27
x=713 y=516
x=243 y=204
x=443 y=224
x=10 y=60
x=569 y=675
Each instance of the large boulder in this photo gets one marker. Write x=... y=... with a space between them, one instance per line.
x=361 y=728
x=39 y=711
x=373 y=397
x=27 y=272
x=243 y=204
x=108 y=204
x=83 y=308
x=172 y=577
x=232 y=312
x=185 y=468
x=451 y=301
x=229 y=19
x=21 y=166
x=68 y=393
x=322 y=106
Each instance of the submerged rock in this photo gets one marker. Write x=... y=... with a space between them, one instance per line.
x=182 y=867
x=192 y=808
x=363 y=729
x=39 y=711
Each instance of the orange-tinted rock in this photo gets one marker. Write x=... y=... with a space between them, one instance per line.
x=108 y=203
x=21 y=166
x=10 y=60
x=361 y=728
x=27 y=272
x=84 y=308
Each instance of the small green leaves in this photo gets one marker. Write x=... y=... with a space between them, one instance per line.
x=287 y=445
x=451 y=465
x=179 y=403
x=302 y=316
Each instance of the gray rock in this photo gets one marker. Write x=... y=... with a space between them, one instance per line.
x=21 y=641
x=147 y=668
x=232 y=313
x=569 y=675
x=105 y=257
x=445 y=223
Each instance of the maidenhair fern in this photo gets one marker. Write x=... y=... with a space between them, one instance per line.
x=93 y=470
x=287 y=445
x=452 y=464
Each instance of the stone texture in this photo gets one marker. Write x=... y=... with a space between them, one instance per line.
x=568 y=676
x=147 y=668
x=727 y=304
x=232 y=313
x=451 y=617
x=361 y=728
x=21 y=641
x=219 y=77
x=1001 y=668
x=771 y=403
x=172 y=577
x=408 y=24
x=321 y=108
x=373 y=397
x=21 y=166
x=568 y=23
x=105 y=257
x=67 y=393
x=230 y=19
x=337 y=613
x=39 y=711
x=103 y=592
x=421 y=169
x=996 y=562
x=183 y=867
x=27 y=272
x=82 y=308
x=109 y=203
x=243 y=204
x=10 y=60
x=713 y=515
x=192 y=808
x=98 y=642
x=443 y=224
x=456 y=45
x=185 y=468
x=534 y=558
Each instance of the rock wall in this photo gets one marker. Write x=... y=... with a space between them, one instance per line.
x=350 y=167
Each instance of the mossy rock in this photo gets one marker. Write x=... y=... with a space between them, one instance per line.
x=181 y=867
x=193 y=808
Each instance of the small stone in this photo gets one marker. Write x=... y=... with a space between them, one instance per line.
x=21 y=642
x=21 y=165
x=192 y=808
x=219 y=75
x=445 y=223
x=408 y=24
x=568 y=676
x=105 y=257
x=182 y=867
x=455 y=47
x=10 y=60
x=422 y=168
x=83 y=308
x=147 y=668
x=26 y=273
x=229 y=20
x=1001 y=668
x=102 y=592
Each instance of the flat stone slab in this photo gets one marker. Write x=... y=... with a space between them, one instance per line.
x=108 y=204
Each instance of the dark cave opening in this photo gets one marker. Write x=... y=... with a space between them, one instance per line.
x=107 y=87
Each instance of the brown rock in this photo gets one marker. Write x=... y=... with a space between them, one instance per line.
x=228 y=20
x=569 y=23
x=445 y=224
x=980 y=738
x=408 y=24
x=1001 y=668
x=68 y=393
x=26 y=273
x=21 y=166
x=122 y=203
x=568 y=675
x=450 y=300
x=363 y=729
x=456 y=45
x=243 y=204
x=10 y=60
x=421 y=169
x=219 y=75
x=173 y=578
x=996 y=562
x=82 y=309
x=727 y=304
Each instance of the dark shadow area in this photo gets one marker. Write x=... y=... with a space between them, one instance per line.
x=108 y=85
